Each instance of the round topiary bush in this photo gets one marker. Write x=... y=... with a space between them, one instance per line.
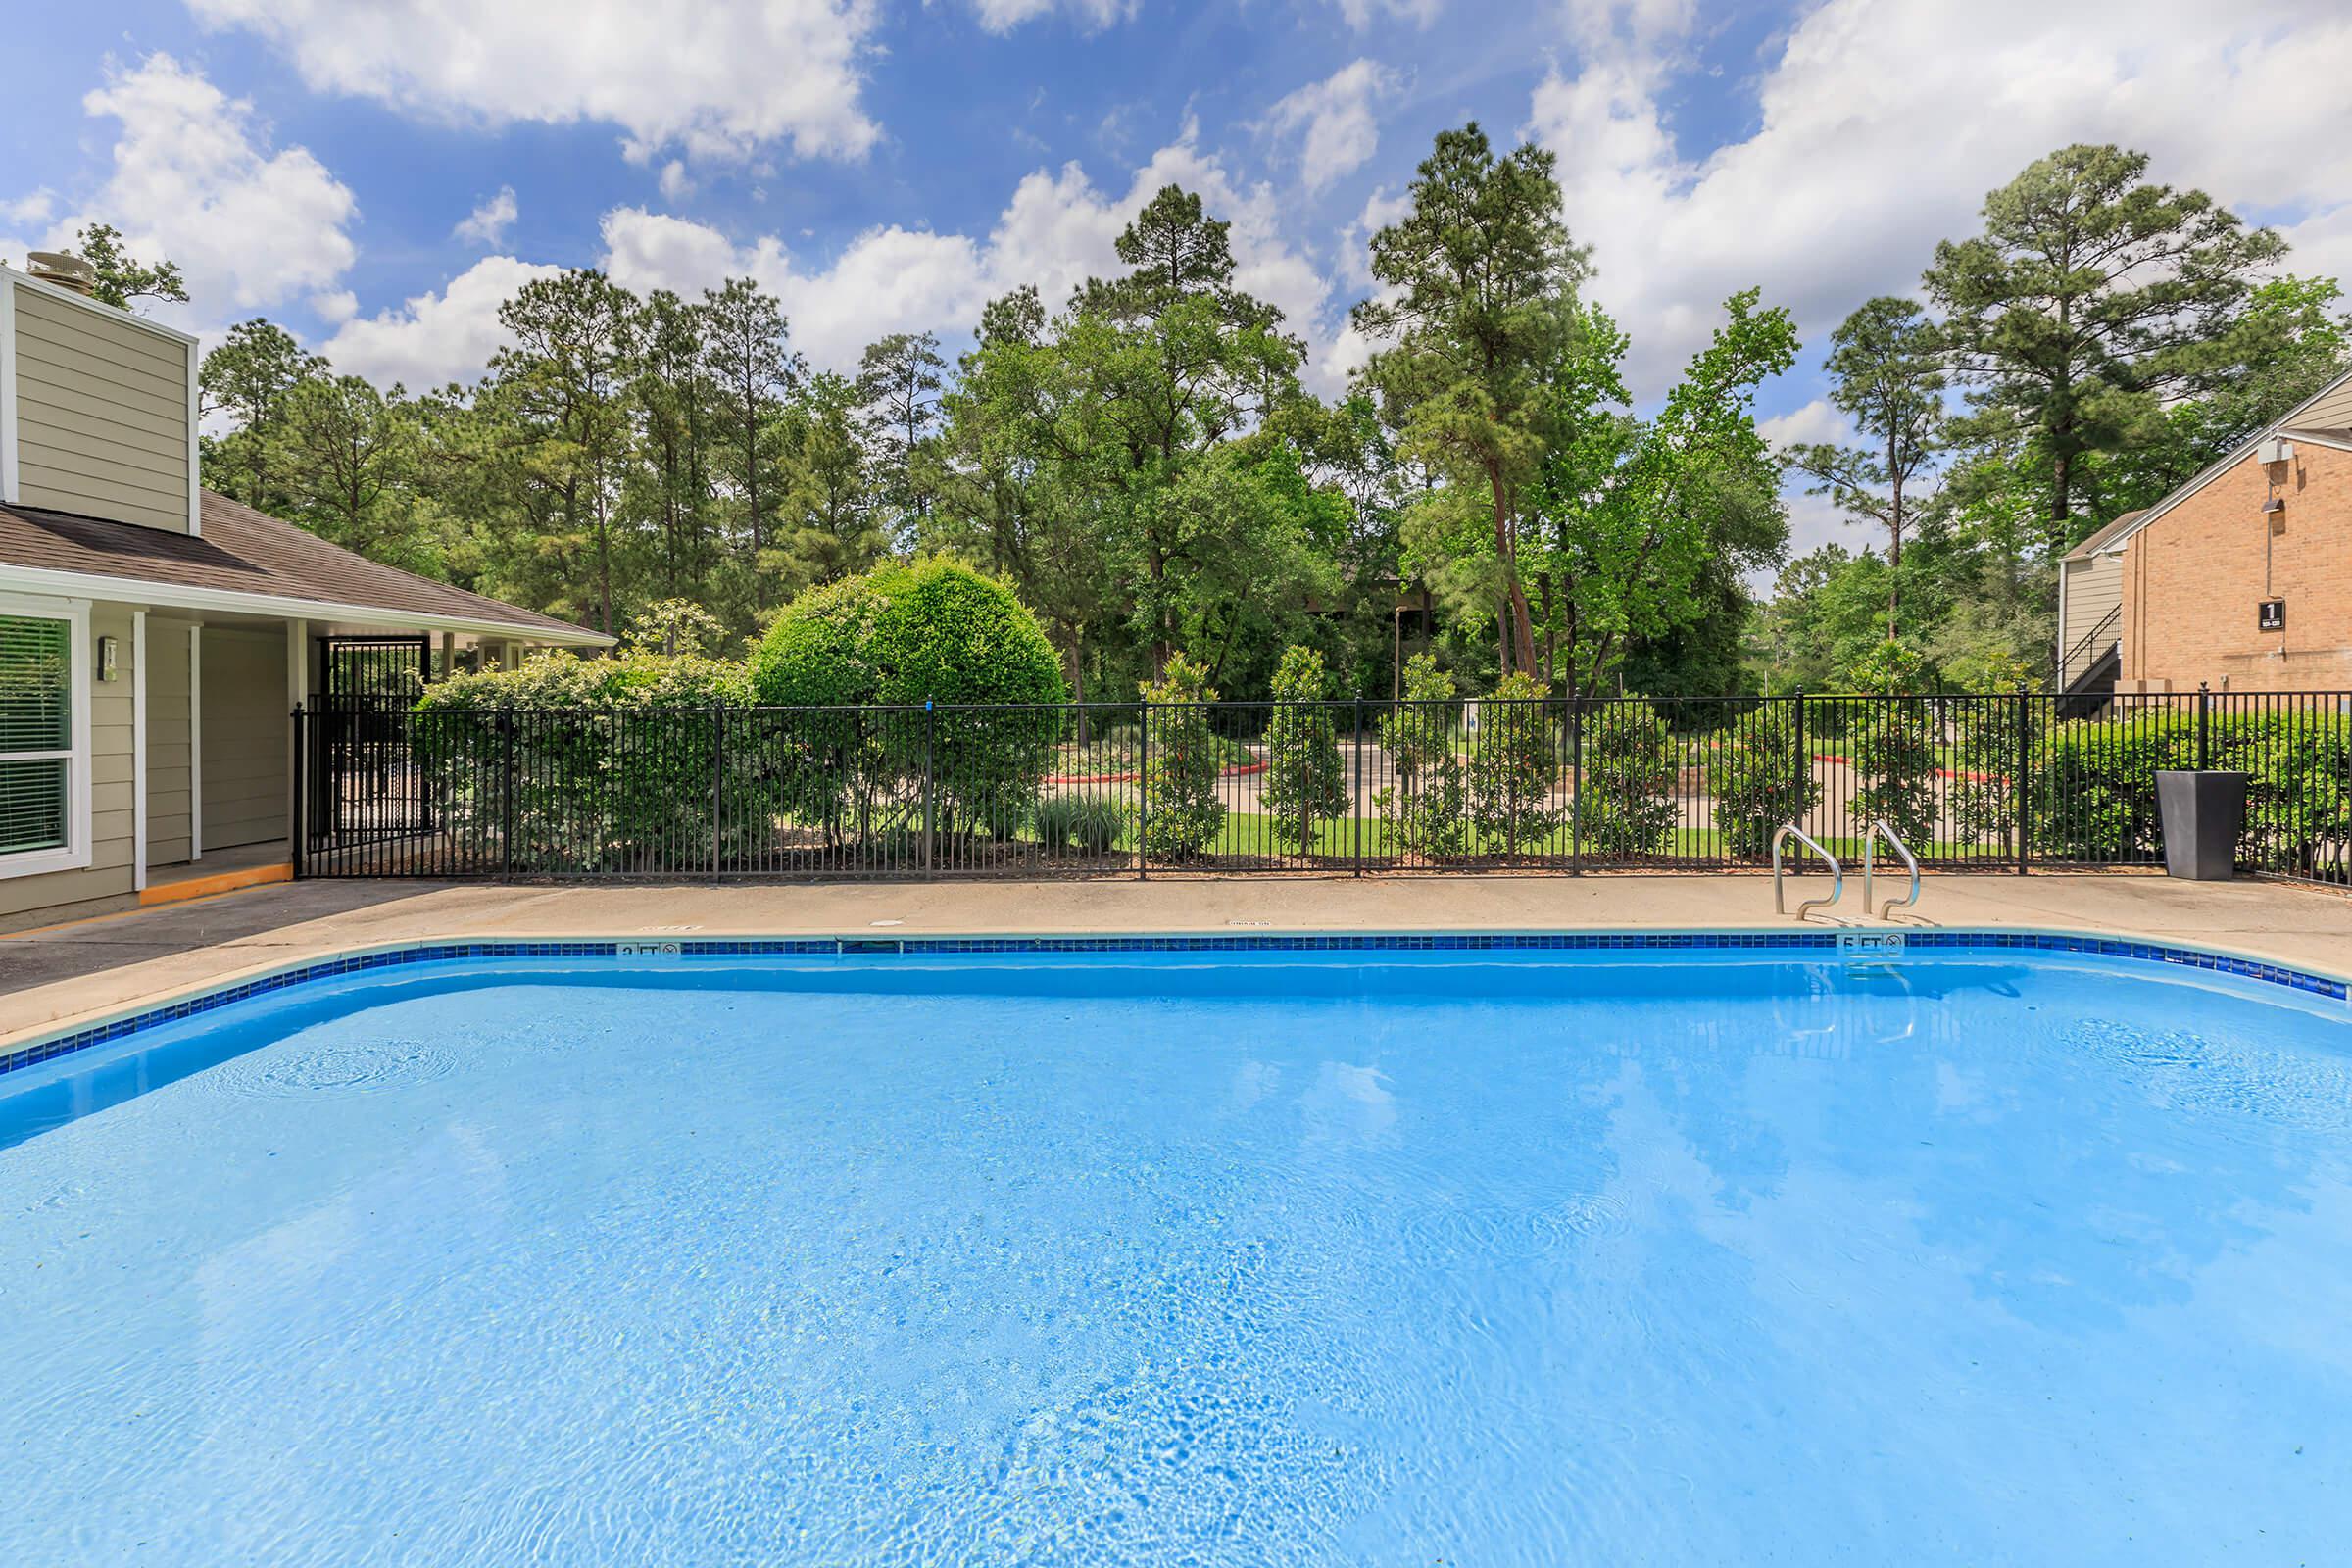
x=900 y=637
x=932 y=631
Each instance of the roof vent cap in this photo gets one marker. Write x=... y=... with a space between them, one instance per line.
x=63 y=268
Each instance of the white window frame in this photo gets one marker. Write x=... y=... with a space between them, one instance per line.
x=77 y=854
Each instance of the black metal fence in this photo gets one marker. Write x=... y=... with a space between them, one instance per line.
x=1987 y=782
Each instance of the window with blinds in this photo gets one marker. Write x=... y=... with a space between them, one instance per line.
x=36 y=732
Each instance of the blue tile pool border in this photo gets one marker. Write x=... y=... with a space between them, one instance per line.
x=46 y=1049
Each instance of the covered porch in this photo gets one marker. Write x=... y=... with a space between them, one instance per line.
x=146 y=683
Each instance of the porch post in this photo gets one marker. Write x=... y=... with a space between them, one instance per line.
x=196 y=742
x=138 y=751
x=298 y=691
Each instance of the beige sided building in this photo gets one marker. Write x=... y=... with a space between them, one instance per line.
x=154 y=636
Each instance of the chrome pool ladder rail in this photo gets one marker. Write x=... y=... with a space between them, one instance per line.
x=1779 y=897
x=1870 y=838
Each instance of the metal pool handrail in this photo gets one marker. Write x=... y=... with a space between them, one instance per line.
x=1779 y=898
x=1869 y=839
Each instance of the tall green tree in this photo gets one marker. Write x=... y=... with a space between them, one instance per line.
x=1305 y=779
x=565 y=375
x=1021 y=489
x=248 y=381
x=751 y=366
x=669 y=486
x=1163 y=365
x=350 y=454
x=1886 y=373
x=829 y=516
x=1645 y=523
x=898 y=384
x=1469 y=314
x=2091 y=297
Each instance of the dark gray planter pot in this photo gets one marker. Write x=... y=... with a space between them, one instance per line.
x=2203 y=814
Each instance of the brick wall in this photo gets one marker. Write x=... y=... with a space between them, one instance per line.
x=2195 y=579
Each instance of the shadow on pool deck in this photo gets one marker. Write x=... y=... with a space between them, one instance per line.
x=74 y=949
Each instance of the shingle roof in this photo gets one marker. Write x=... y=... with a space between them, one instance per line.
x=2092 y=545
x=247 y=552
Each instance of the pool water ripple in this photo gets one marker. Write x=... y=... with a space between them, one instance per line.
x=374 y=1066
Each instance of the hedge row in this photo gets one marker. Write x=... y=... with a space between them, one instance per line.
x=2094 y=787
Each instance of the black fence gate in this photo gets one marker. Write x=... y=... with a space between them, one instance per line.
x=363 y=783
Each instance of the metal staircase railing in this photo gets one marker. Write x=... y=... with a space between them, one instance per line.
x=2080 y=660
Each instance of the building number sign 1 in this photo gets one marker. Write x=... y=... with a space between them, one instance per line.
x=2272 y=614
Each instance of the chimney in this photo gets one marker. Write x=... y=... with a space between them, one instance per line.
x=63 y=268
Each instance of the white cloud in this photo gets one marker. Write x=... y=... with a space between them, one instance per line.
x=1382 y=208
x=1813 y=521
x=434 y=339
x=1361 y=13
x=1336 y=116
x=1815 y=423
x=1858 y=166
x=714 y=78
x=36 y=208
x=194 y=179
x=1003 y=16
x=1055 y=231
x=487 y=225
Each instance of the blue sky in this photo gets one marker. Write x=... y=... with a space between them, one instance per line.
x=377 y=174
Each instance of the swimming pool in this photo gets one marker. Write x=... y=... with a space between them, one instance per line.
x=1507 y=1256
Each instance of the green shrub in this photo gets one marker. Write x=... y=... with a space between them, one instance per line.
x=675 y=626
x=2299 y=800
x=598 y=763
x=1182 y=813
x=1080 y=825
x=1304 y=779
x=2095 y=790
x=1625 y=797
x=1426 y=806
x=1893 y=746
x=1513 y=768
x=2094 y=786
x=1763 y=781
x=906 y=635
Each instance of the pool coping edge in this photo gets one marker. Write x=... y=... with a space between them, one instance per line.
x=46 y=1042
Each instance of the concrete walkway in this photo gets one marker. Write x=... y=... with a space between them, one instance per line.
x=95 y=968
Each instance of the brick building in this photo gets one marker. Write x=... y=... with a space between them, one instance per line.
x=2240 y=579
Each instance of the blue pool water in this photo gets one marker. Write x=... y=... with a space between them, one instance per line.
x=1207 y=1260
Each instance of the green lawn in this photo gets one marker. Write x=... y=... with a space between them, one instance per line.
x=1255 y=834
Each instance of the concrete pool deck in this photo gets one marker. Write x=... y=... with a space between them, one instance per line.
x=82 y=971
